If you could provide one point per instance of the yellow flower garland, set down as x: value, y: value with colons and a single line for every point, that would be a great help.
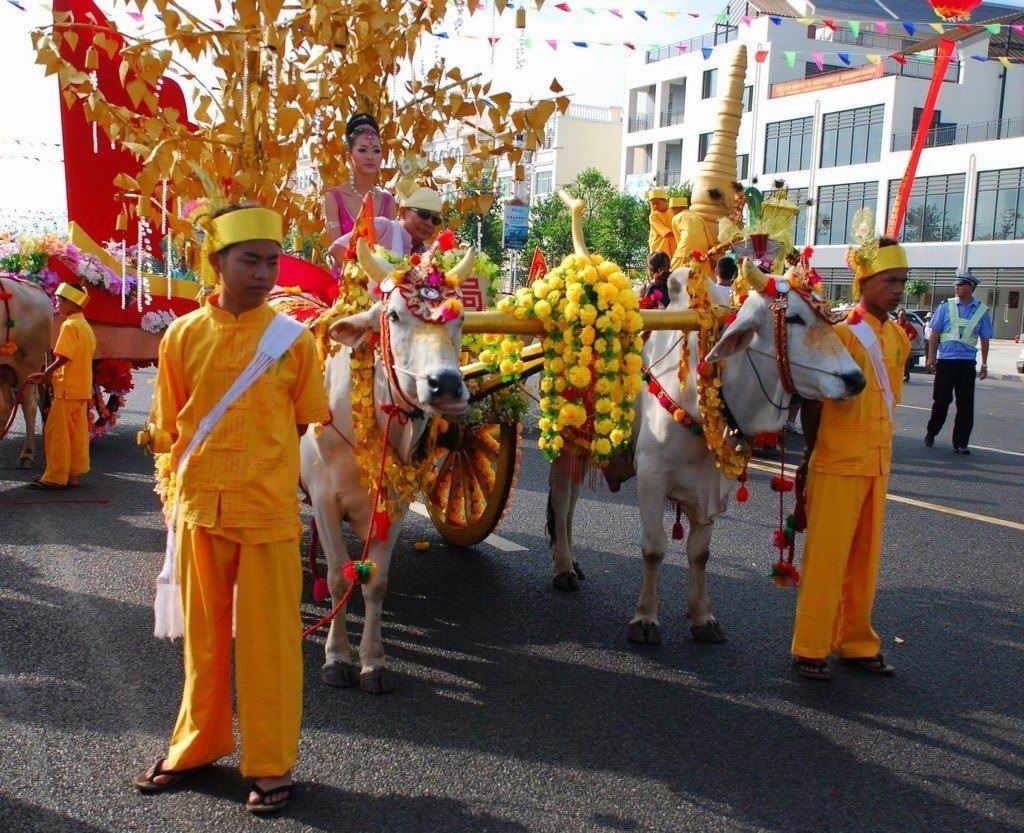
x: 592, y: 348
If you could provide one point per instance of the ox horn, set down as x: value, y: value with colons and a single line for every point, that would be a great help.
x: 465, y: 267
x: 574, y: 205
x: 376, y: 267
x: 755, y: 277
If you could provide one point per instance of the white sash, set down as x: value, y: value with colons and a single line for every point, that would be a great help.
x: 869, y: 341
x: 274, y: 343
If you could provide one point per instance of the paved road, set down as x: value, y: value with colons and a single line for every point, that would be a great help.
x: 524, y: 710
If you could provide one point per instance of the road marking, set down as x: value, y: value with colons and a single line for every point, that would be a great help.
x: 495, y: 541
x: 915, y: 407
x: 997, y: 450
x: 921, y: 504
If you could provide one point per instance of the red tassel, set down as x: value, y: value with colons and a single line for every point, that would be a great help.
x: 678, y: 533
x: 381, y: 525
x: 781, y: 484
x: 742, y: 494
x: 321, y: 592
x: 779, y: 539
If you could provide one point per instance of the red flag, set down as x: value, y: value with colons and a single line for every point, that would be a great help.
x: 899, y: 59
x: 539, y: 266
x: 760, y: 55
x: 563, y: 7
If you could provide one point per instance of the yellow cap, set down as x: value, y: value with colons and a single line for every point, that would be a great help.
x: 678, y: 202
x: 73, y: 294
x: 255, y: 223
x: 424, y: 198
x: 657, y: 194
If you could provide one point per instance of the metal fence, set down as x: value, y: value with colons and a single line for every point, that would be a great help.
x: 722, y: 34
x: 962, y: 134
x: 672, y: 117
x: 641, y: 121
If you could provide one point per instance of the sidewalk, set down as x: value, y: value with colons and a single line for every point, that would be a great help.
x: 1002, y: 361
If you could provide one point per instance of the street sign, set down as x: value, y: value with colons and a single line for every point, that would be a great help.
x: 515, y: 219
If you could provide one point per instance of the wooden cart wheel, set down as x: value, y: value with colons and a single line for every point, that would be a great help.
x: 474, y: 481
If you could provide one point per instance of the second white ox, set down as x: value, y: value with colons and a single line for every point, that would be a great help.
x: 425, y: 361
x: 674, y: 464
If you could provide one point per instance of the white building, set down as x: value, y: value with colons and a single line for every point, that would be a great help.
x: 584, y: 137
x: 840, y: 138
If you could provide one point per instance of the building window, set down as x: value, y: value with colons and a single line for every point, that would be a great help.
x: 549, y: 134
x: 703, y: 143
x: 748, y: 98
x: 542, y: 183
x: 999, y: 210
x: 743, y: 165
x: 787, y: 145
x: 798, y: 230
x: 852, y: 137
x: 836, y: 206
x: 504, y: 186
x: 709, y: 84
x: 934, y: 210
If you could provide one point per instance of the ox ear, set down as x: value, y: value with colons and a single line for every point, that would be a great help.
x: 352, y: 329
x: 737, y: 336
x: 677, y: 284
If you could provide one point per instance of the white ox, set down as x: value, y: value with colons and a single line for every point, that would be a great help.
x: 32, y: 313
x: 426, y: 360
x: 672, y: 463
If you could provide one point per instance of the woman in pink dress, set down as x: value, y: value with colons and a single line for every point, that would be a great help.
x: 343, y: 203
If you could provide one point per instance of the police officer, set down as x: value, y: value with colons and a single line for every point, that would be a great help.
x: 957, y: 326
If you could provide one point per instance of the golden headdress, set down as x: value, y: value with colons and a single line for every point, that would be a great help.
x: 866, y: 257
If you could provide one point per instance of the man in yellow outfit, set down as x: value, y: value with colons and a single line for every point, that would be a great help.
x: 661, y: 238
x: 66, y: 432
x: 846, y: 469
x: 238, y: 515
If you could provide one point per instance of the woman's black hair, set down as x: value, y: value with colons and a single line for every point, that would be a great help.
x: 359, y: 123
x: 658, y: 262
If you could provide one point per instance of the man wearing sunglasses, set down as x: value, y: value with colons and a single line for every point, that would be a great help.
x: 419, y: 221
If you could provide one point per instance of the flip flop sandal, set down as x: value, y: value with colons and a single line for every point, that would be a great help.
x: 146, y: 783
x: 261, y: 806
x: 813, y: 669
x: 873, y: 665
x: 46, y: 487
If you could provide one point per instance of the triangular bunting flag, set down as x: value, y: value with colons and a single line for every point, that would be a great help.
x: 775, y: 19
x: 899, y: 59
x: 845, y: 58
x: 1018, y: 28
x: 629, y: 45
x: 790, y: 59
x: 909, y: 27
x: 760, y: 55
x: 1004, y: 61
x: 582, y: 44
x: 994, y: 28
x: 881, y: 26
x: 805, y: 21
x: 671, y: 15
x: 552, y: 43
x: 562, y: 7
x: 981, y: 58
x: 694, y: 14
x: 528, y: 43
x: 722, y: 19
x: 875, y: 59
x: 819, y: 60
x: 746, y: 19
x: 938, y: 27
x: 538, y: 266
x: 493, y: 40
x: 682, y: 47
x: 854, y: 27
x: 831, y: 24
x: 441, y: 35
x: 707, y: 52
x: 616, y: 12
x: 589, y: 10
x: 928, y: 57
x: 641, y: 14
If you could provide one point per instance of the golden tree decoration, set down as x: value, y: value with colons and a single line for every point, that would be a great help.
x: 274, y: 81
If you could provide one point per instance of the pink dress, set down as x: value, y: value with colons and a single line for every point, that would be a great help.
x: 346, y: 220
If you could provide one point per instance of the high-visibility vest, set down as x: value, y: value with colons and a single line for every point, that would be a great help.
x: 962, y: 330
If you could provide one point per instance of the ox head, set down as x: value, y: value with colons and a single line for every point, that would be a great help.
x: 421, y: 325
x: 821, y: 367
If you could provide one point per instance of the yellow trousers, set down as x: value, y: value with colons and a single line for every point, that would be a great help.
x: 66, y: 440
x: 845, y: 518
x: 268, y: 652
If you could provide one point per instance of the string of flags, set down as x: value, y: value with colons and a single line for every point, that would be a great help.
x: 819, y: 57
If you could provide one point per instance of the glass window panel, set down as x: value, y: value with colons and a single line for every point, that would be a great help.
x: 859, y: 150
x: 874, y: 149
x: 1006, y: 214
x: 1019, y: 234
x: 844, y: 146
x: 953, y: 220
x: 984, y: 213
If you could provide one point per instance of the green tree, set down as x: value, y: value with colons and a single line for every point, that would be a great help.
x: 614, y: 224
x: 491, y: 240
x: 917, y: 287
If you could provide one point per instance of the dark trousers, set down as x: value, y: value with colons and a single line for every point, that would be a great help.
x: 953, y: 376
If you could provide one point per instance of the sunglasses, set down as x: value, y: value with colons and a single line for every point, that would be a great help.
x: 424, y: 214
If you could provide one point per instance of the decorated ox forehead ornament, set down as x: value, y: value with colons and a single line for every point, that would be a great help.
x: 800, y: 278
x: 431, y: 295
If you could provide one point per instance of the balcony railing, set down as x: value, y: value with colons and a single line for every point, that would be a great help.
x: 670, y: 176
x: 963, y: 134
x: 672, y: 117
x: 641, y: 121
x: 722, y: 34
x: 872, y: 40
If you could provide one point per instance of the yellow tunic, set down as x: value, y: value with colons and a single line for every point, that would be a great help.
x: 691, y: 232
x: 245, y: 476
x: 661, y: 238
x: 239, y: 528
x: 66, y: 432
x: 846, y: 493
